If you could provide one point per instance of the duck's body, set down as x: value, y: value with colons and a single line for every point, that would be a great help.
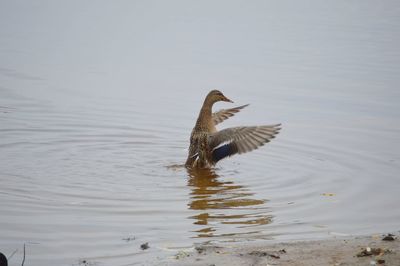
x: 208, y: 146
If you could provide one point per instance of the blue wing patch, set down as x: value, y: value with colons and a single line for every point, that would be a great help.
x: 223, y: 151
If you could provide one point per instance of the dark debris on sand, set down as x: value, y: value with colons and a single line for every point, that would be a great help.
x: 389, y: 237
x: 144, y: 246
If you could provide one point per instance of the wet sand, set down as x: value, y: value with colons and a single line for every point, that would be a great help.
x: 338, y: 251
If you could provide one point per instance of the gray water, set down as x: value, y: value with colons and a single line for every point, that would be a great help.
x: 98, y: 98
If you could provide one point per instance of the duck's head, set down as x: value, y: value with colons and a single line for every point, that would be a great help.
x: 217, y: 96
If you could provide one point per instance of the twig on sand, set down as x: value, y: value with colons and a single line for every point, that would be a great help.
x: 23, y: 260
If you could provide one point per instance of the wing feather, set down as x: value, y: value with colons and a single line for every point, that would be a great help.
x: 224, y: 114
x: 239, y: 140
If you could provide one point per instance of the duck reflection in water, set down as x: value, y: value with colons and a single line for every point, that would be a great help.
x: 225, y: 209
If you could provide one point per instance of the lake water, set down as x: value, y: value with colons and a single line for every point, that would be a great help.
x: 97, y: 101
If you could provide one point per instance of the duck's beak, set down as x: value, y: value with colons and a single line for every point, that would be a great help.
x: 227, y: 100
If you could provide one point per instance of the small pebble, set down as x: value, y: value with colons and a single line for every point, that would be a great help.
x: 388, y: 237
x: 144, y: 246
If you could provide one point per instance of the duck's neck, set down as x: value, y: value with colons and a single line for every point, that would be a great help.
x: 205, y: 117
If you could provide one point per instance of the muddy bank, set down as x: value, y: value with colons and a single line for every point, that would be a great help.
x: 371, y: 250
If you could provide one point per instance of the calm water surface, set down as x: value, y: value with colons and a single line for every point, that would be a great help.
x: 97, y: 101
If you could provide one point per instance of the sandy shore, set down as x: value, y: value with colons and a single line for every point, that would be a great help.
x: 371, y: 250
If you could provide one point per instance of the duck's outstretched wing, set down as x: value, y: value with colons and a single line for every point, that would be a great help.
x: 239, y: 140
x: 224, y: 114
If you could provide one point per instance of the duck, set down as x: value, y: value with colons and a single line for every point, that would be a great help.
x: 208, y: 145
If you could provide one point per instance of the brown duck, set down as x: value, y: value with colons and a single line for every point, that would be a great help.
x: 208, y: 146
